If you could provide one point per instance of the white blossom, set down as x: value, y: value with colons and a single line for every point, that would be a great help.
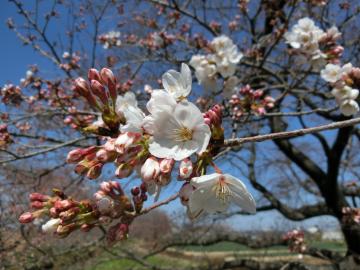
x: 349, y: 107
x: 305, y: 36
x: 178, y: 84
x: 51, y: 225
x: 204, y: 71
x: 180, y: 133
x: 345, y: 93
x: 332, y: 73
x: 150, y: 170
x: 128, y: 106
x: 214, y: 193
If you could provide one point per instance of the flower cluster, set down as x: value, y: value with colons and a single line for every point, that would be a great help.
x: 11, y: 94
x: 296, y: 241
x: 5, y: 137
x: 222, y: 61
x: 351, y: 215
x: 173, y: 131
x: 313, y: 43
x: 343, y: 79
x: 248, y: 100
x: 157, y: 40
x: 71, y: 61
x: 110, y: 39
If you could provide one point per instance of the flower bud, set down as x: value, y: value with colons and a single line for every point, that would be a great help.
x: 26, y: 217
x: 143, y: 187
x: 62, y: 205
x: 86, y: 227
x: 99, y: 90
x: 93, y: 74
x: 166, y: 165
x: 65, y: 230
x: 150, y: 170
x: 38, y: 197
x: 37, y: 205
x: 105, y: 205
x: 185, y: 192
x: 82, y: 87
x: 125, y: 140
x: 95, y: 171
x: 109, y: 79
x: 74, y: 156
x: 135, y: 191
x: 123, y: 170
x: 51, y: 225
x: 185, y: 168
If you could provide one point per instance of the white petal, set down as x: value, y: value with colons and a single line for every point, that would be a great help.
x: 205, y: 179
x: 202, y: 135
x: 241, y: 196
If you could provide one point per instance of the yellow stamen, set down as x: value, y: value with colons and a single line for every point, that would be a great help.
x: 183, y: 134
x: 222, y: 190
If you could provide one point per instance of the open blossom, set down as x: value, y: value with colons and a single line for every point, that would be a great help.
x: 185, y: 168
x: 333, y: 73
x: 178, y: 84
x: 226, y: 55
x: 180, y: 133
x: 305, y: 35
x: 214, y: 193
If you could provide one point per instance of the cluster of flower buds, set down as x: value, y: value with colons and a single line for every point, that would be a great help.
x: 79, y: 121
x: 11, y: 94
x: 157, y: 40
x: 250, y: 101
x: 296, y: 241
x: 351, y: 215
x: 65, y: 214
x: 87, y: 161
x: 139, y: 196
x: 4, y: 135
x: 101, y: 94
x: 328, y: 45
x: 213, y: 118
x: 343, y: 79
x: 111, y: 201
x: 110, y: 39
x: 71, y: 61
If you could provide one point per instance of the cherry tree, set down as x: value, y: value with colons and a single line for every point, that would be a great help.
x: 268, y: 87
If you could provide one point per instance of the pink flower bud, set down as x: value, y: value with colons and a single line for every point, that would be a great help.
x: 93, y: 74
x: 82, y: 87
x: 26, y: 217
x: 38, y: 197
x: 102, y: 155
x: 150, y: 170
x: 108, y: 77
x: 74, y: 156
x: 185, y: 192
x: 37, y: 205
x: 110, y: 145
x: 258, y: 94
x: 166, y: 165
x: 86, y: 227
x: 105, y: 187
x: 261, y: 110
x: 99, y: 90
x: 62, y: 205
x: 185, y: 168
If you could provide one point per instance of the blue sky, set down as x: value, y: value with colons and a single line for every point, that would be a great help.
x: 15, y: 57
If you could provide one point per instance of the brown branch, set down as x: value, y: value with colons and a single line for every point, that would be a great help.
x: 290, y: 134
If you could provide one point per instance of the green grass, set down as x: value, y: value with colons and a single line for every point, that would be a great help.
x: 121, y: 264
